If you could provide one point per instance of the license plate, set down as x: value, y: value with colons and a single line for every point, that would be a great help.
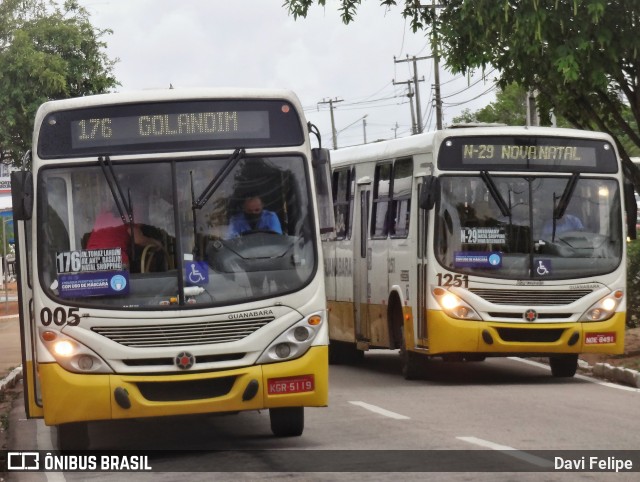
x: 279, y: 386
x: 599, y: 338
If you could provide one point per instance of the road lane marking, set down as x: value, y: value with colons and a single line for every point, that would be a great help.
x: 578, y: 376
x: 380, y: 411
x: 518, y: 454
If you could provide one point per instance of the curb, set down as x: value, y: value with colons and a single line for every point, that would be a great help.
x: 619, y: 375
x: 10, y: 380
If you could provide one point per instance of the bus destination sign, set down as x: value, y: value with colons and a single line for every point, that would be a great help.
x: 505, y: 152
x: 542, y: 153
x: 183, y: 126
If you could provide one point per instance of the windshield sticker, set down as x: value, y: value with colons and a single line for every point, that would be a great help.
x: 89, y: 260
x: 101, y: 283
x: 196, y: 273
x: 543, y: 267
x: 471, y: 259
x: 483, y: 235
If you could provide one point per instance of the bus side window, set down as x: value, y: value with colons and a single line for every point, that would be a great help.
x: 402, y: 178
x: 381, y: 223
x: 342, y: 199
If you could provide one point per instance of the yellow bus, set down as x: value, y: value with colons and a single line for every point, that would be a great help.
x: 147, y: 286
x: 475, y: 242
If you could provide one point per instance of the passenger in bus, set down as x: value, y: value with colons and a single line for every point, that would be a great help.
x: 253, y: 218
x: 109, y: 231
x: 566, y: 223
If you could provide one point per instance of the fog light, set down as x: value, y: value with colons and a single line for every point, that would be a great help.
x: 301, y: 333
x: 63, y: 348
x: 283, y: 350
x: 85, y: 362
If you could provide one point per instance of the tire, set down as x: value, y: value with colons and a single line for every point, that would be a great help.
x: 411, y: 362
x: 287, y: 422
x: 342, y: 353
x: 563, y: 366
x: 73, y: 436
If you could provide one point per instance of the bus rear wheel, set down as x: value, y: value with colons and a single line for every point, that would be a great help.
x: 563, y: 365
x: 412, y: 368
x: 73, y: 436
x: 287, y: 422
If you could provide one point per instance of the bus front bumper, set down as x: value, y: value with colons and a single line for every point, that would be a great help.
x: 72, y: 397
x: 450, y: 335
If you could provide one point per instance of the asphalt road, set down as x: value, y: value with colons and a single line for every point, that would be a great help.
x: 461, y: 419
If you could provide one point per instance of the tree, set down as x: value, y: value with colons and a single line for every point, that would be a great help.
x: 46, y: 52
x: 509, y: 108
x: 582, y: 57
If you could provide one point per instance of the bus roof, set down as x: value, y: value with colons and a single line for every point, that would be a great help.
x: 165, y: 95
x: 406, y: 146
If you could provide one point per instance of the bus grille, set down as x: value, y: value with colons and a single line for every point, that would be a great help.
x: 184, y: 333
x: 530, y: 297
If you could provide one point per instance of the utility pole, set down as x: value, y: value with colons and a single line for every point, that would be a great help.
x: 333, y: 124
x: 395, y: 131
x: 415, y: 59
x: 533, y: 119
x: 414, y: 128
x: 436, y: 64
x: 364, y: 128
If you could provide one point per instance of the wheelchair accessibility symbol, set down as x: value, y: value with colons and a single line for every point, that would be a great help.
x: 543, y: 267
x: 196, y: 273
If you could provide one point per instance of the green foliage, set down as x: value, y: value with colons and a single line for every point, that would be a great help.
x: 47, y: 52
x: 509, y: 108
x: 582, y: 57
x: 633, y: 283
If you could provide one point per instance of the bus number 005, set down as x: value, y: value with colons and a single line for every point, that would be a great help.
x: 60, y: 316
x: 453, y: 280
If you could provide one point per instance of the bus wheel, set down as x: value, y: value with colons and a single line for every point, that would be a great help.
x: 73, y: 436
x: 563, y: 365
x: 411, y: 366
x: 287, y: 422
x: 344, y: 353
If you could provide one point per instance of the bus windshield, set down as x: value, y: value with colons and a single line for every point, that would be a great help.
x: 534, y: 227
x: 251, y: 239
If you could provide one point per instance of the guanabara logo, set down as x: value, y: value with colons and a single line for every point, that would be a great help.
x: 185, y: 360
x: 530, y: 315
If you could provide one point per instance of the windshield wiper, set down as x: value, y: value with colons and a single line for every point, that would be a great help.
x: 563, y: 204
x: 199, y: 203
x: 561, y: 208
x: 208, y: 191
x: 495, y: 194
x: 123, y: 204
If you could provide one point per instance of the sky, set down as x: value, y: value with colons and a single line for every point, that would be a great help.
x: 256, y: 43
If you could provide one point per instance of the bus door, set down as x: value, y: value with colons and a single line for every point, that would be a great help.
x: 22, y: 201
x: 420, y: 317
x: 362, y: 262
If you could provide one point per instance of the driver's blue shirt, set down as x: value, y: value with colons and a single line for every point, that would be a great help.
x: 568, y: 222
x: 268, y: 222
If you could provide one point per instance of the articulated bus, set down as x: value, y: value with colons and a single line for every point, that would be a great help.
x: 137, y: 297
x: 478, y: 242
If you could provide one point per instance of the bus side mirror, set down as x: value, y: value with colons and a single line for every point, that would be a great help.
x: 22, y: 195
x: 429, y: 192
x: 631, y: 207
x: 321, y: 162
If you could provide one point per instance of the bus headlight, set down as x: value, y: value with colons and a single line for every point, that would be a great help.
x: 454, y: 306
x: 294, y: 341
x: 71, y: 354
x: 605, y: 308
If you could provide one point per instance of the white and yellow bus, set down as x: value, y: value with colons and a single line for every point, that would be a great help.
x: 475, y: 242
x: 137, y: 298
